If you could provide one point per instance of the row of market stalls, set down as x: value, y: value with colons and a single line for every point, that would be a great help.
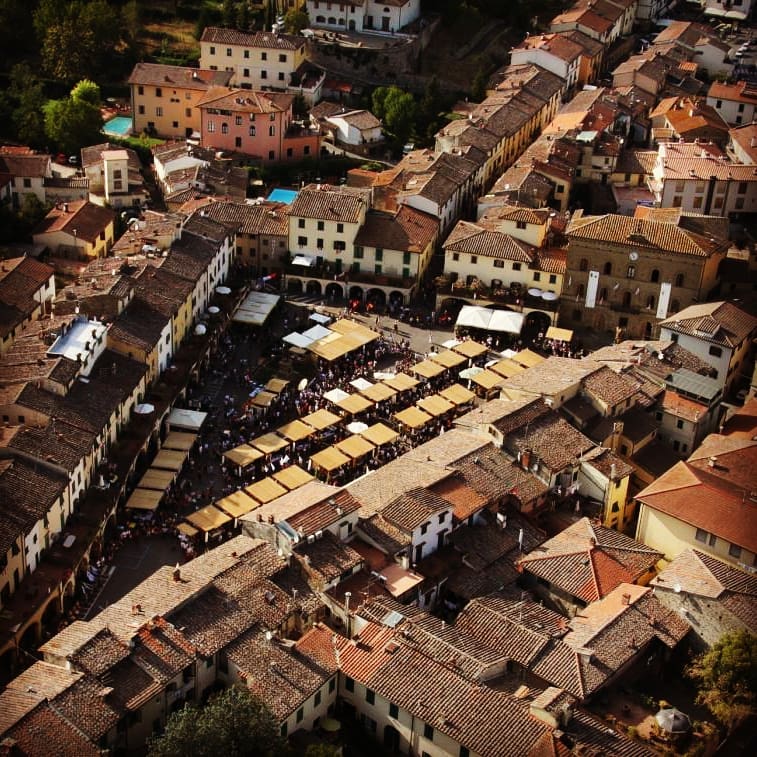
x: 334, y: 341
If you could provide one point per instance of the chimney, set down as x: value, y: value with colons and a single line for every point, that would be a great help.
x: 712, y: 461
x: 177, y: 574
x: 525, y: 458
x: 626, y: 599
x: 613, y: 472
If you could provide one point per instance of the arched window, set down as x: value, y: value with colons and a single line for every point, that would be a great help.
x: 626, y: 299
x: 647, y: 330
x: 580, y: 290
x: 608, y: 268
x: 679, y: 279
x: 674, y: 306
x: 650, y: 302
x: 224, y: 128
x: 603, y: 294
x: 252, y: 131
x: 583, y: 265
x: 655, y: 276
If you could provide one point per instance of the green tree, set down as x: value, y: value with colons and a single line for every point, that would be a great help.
x: 478, y: 86
x: 397, y: 109
x: 229, y: 13
x: 295, y: 21
x: 727, y: 677
x: 76, y: 121
x: 27, y: 96
x: 243, y: 19
x: 233, y: 723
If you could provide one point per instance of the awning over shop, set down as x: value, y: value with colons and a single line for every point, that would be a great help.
x: 412, y: 417
x: 435, y: 405
x: 448, y: 358
x: 292, y: 477
x: 144, y: 499
x: 269, y: 443
x: 169, y: 459
x: 237, y: 504
x: 186, y: 420
x: 330, y: 459
x: 361, y: 384
x: 276, y: 385
x: 506, y: 321
x: 470, y: 348
x: 179, y: 440
x: 263, y: 399
x: 379, y: 434
x: 156, y: 479
x: 428, y: 369
x: 335, y: 394
x: 317, y: 332
x: 507, y: 368
x: 355, y: 447
x: 295, y: 431
x: 243, y: 455
x: 457, y: 394
x: 321, y: 419
x: 527, y: 358
x: 256, y: 308
x: 487, y: 379
x: 187, y: 530
x: 401, y: 382
x: 379, y: 392
x: 354, y: 403
x: 265, y: 490
x: 562, y: 335
x: 473, y: 316
x: 209, y: 518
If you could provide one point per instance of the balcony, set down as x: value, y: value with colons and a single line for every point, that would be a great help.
x: 326, y: 271
x: 514, y: 298
x: 619, y: 307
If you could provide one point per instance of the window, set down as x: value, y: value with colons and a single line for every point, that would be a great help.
x: 282, y: 58
x: 301, y: 224
x: 679, y: 424
x: 379, y: 253
x: 424, y: 528
x: 580, y: 290
x: 306, y: 150
x: 211, y: 126
x: 370, y: 696
x: 473, y: 259
x: 349, y: 684
x: 734, y: 551
x: 317, y: 698
x: 650, y: 302
x: 679, y: 280
x: 246, y: 54
x: 499, y: 263
x: 300, y: 714
x: 340, y: 228
x: 321, y: 225
x: 271, y: 131
x: 739, y: 203
x: 537, y: 276
x: 677, y: 201
x: 631, y: 272
x: 679, y: 186
x: 464, y: 751
x: 158, y: 92
x: 715, y: 351
x: 517, y: 266
x: 281, y: 76
x: 141, y: 110
x: 340, y: 246
x: 428, y: 731
x: 607, y: 270
x: 394, y: 711
x: 583, y: 265
x: 264, y: 74
x: 442, y: 516
x: 159, y: 111
x: 271, y: 155
x: 406, y: 258
x: 358, y: 252
x: 378, y: 269
x: 699, y: 188
x: 741, y: 188
x: 237, y: 120
x: 302, y: 241
x: 455, y: 256
x: 228, y: 52
x: 252, y: 131
x: 290, y: 152
x: 263, y: 56
x: 188, y: 112
x: 283, y: 730
x: 520, y: 224
x: 224, y: 128
x: 553, y: 278
x: 332, y: 685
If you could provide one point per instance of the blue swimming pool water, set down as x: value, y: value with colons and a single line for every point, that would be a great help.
x: 283, y: 195
x: 119, y: 125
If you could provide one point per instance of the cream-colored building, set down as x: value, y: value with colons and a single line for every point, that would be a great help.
x: 77, y: 230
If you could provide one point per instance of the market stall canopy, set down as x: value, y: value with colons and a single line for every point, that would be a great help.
x: 186, y: 420
x: 356, y: 427
x: 321, y: 419
x: 401, y: 382
x: 263, y: 399
x: 473, y: 316
x: 506, y: 321
x: 276, y: 385
x: 448, y: 358
x: 457, y: 394
x: 379, y: 434
x: 317, y: 332
x: 361, y: 384
x: 354, y: 403
x: 265, y: 490
x: 295, y: 431
x: 237, y: 504
x: 156, y: 479
x: 243, y: 455
x: 450, y: 343
x: 269, y: 443
x: 469, y: 348
x: 298, y: 340
x: 562, y: 335
x: 506, y: 368
x: 354, y: 329
x: 435, y: 405
x: 413, y: 417
x: 169, y: 459
x: 330, y: 459
x: 428, y: 369
x: 187, y: 530
x: 487, y: 379
x: 379, y: 392
x: 255, y: 308
x: 292, y: 477
x: 208, y: 518
x: 469, y: 373
x: 179, y: 440
x: 320, y: 318
x: 355, y: 447
x: 144, y: 499
x: 334, y: 395
x: 527, y: 358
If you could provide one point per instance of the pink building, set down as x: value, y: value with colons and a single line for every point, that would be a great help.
x: 259, y: 124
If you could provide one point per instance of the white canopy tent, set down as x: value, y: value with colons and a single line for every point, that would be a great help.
x: 317, y: 332
x: 335, y: 395
x: 506, y: 320
x: 303, y: 260
x: 184, y: 419
x: 256, y: 308
x: 298, y: 340
x: 473, y: 316
x: 321, y: 318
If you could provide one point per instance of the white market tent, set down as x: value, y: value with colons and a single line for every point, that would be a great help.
x: 298, y: 340
x: 184, y: 419
x: 473, y: 316
x: 317, y: 332
x: 256, y: 308
x: 324, y: 320
x: 335, y: 395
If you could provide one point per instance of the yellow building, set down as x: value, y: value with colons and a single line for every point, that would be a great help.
x: 77, y: 230
x: 163, y: 98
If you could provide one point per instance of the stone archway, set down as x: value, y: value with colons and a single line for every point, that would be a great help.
x: 31, y: 636
x: 375, y: 299
x: 294, y: 286
x: 334, y: 292
x: 536, y: 322
x: 313, y: 287
x: 356, y: 293
x: 396, y: 299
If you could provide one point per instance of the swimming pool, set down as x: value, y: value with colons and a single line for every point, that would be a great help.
x: 283, y: 195
x: 119, y: 126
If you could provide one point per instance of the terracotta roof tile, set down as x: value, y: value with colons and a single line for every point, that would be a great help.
x: 45, y: 733
x: 267, y: 40
x: 184, y: 77
x: 328, y: 204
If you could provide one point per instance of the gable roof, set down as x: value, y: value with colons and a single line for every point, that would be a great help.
x: 267, y: 40
x: 81, y: 219
x: 719, y: 322
x: 325, y: 203
x: 183, y: 77
x: 406, y: 230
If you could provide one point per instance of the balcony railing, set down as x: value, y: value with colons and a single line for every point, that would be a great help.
x: 516, y: 299
x: 327, y: 271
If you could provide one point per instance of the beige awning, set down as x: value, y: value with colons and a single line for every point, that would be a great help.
x: 265, y: 490
x: 379, y: 392
x: 157, y: 479
x: 144, y: 499
x: 457, y: 394
x: 401, y: 382
x: 487, y: 379
x: 180, y: 440
x: 169, y: 459
x: 237, y: 504
x: 507, y: 368
x: 209, y: 518
x: 448, y: 358
x: 321, y: 419
x: 276, y: 385
x: 435, y: 405
x: 355, y: 446
x: 295, y: 431
x: 354, y: 404
x: 354, y: 329
x: 243, y: 455
x: 187, y: 530
x: 469, y: 348
x: 292, y: 477
x: 562, y: 335
x: 413, y: 417
x: 330, y: 459
x: 269, y: 443
x: 527, y: 358
x: 263, y: 399
x: 428, y: 369
x: 379, y: 434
